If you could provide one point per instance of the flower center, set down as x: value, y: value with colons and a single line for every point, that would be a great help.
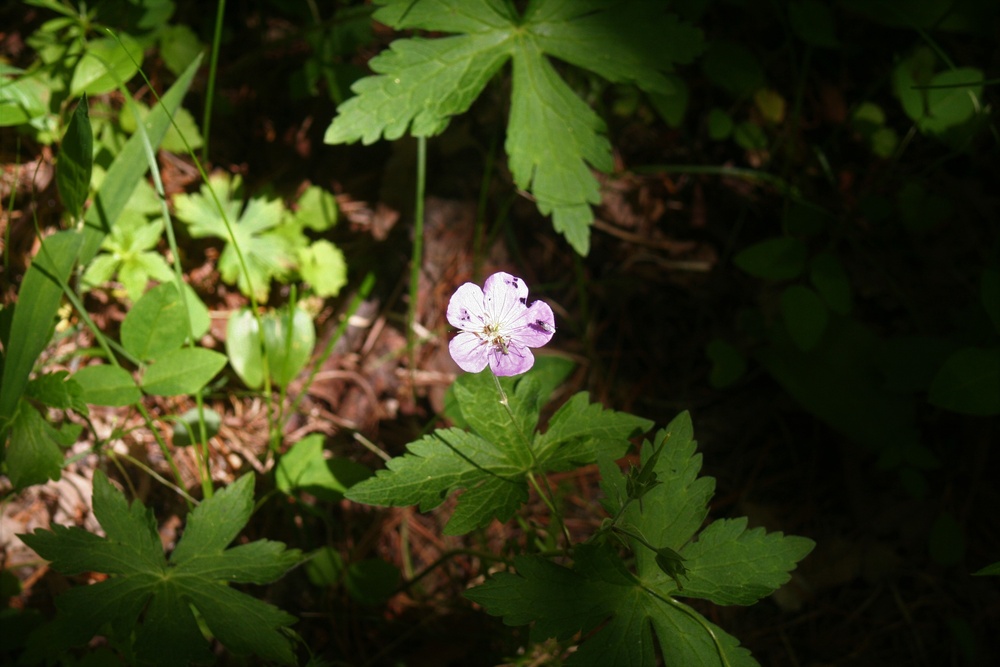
x: 493, y: 333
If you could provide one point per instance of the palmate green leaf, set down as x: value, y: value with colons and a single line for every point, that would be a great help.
x: 268, y: 254
x: 598, y: 590
x: 151, y: 596
x: 553, y: 137
x: 130, y: 255
x: 636, y: 610
x: 491, y: 464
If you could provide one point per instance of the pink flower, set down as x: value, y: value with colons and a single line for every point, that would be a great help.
x: 497, y: 326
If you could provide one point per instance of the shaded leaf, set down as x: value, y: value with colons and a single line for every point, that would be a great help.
x: 197, y: 574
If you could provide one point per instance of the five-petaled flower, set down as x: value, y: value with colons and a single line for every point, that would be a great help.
x: 497, y: 326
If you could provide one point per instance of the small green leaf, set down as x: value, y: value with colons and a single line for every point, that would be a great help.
x: 720, y: 124
x: 288, y: 349
x: 990, y: 291
x: 317, y: 209
x: 780, y: 258
x: 22, y: 99
x: 371, y: 581
x: 243, y: 345
x: 179, y: 46
x: 187, y: 427
x: 289, y: 336
x: 268, y: 254
x: 733, y: 67
x: 764, y: 561
x: 76, y: 161
x: 105, y: 64
x: 954, y: 96
x: 812, y: 22
x: 990, y: 570
x: 305, y: 468
x: 805, y: 316
x: 57, y: 390
x: 947, y: 540
x: 322, y: 265
x: 969, y: 382
x: 728, y: 365
x: 324, y: 567
x: 183, y: 371
x: 750, y: 136
x: 673, y: 105
x: 107, y: 385
x: 33, y: 455
x: 156, y: 324
x: 827, y: 275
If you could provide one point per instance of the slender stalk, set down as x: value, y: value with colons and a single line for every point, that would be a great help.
x: 213, y: 67
x: 416, y: 258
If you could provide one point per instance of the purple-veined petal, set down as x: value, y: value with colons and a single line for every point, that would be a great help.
x: 469, y: 352
x: 518, y: 359
x: 505, y: 297
x: 537, y: 326
x: 465, y: 309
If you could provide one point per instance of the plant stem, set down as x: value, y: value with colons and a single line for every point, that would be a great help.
x: 416, y: 258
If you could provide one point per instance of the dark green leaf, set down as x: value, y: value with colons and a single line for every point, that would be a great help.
x: 371, y: 581
x: 969, y: 382
x: 198, y: 574
x: 780, y: 258
x: 805, y: 316
x: 305, y: 467
x: 76, y: 160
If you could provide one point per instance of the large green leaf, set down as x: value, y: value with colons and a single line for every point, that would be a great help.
x: 492, y: 463
x: 195, y: 577
x: 627, y: 617
x: 553, y: 137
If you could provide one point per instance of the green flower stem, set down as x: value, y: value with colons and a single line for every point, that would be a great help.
x: 213, y: 66
x: 416, y: 257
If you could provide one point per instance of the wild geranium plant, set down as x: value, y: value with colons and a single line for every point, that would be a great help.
x: 647, y: 552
